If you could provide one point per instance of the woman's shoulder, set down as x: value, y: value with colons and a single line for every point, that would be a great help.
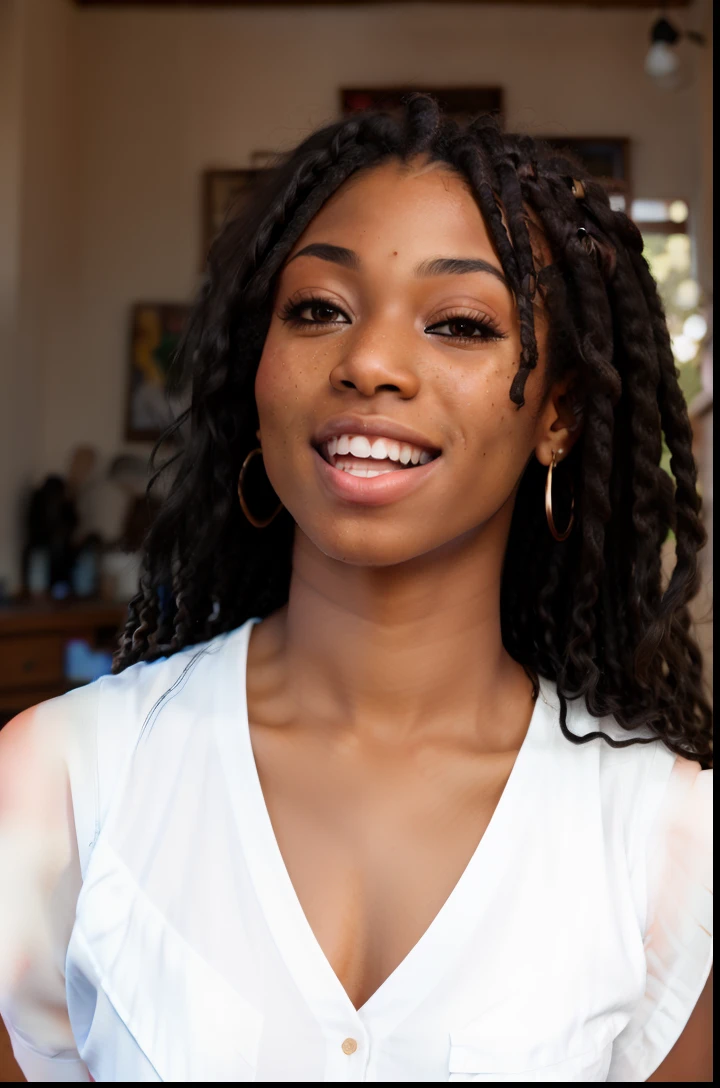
x: 96, y: 726
x: 639, y: 781
x: 131, y: 695
x: 676, y: 921
x: 89, y: 733
x: 620, y: 750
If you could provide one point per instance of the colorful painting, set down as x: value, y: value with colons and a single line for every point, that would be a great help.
x: 155, y: 334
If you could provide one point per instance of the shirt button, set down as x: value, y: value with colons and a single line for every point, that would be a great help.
x: 349, y: 1046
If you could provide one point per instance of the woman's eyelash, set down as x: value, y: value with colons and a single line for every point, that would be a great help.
x: 292, y: 311
x: 484, y: 327
x: 475, y: 327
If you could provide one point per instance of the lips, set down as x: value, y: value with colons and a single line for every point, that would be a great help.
x: 371, y: 460
x: 373, y: 427
x: 377, y: 490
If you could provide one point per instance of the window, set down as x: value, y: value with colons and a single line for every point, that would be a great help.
x: 668, y: 251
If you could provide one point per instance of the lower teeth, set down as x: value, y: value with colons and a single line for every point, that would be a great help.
x: 371, y: 468
x: 367, y: 471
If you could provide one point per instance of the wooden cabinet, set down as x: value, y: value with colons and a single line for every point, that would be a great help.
x: 31, y: 660
x: 33, y: 638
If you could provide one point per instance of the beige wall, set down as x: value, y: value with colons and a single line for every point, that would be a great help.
x: 37, y: 218
x: 704, y: 89
x: 123, y: 109
x: 10, y: 167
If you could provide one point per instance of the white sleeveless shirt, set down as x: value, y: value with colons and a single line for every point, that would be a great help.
x: 573, y: 947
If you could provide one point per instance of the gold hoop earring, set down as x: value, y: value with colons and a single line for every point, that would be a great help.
x: 548, y: 504
x: 251, y: 518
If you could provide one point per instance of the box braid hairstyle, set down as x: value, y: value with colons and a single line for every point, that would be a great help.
x: 590, y: 613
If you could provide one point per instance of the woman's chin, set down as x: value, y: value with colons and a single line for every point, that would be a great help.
x: 368, y: 547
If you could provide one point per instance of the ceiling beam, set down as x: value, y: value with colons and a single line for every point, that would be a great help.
x: 346, y: 3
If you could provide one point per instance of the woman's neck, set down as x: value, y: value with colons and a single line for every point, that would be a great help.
x: 400, y: 651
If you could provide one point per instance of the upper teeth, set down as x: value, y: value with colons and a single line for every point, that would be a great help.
x: 380, y: 449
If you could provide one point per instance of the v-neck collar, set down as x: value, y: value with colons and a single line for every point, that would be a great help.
x: 447, y: 935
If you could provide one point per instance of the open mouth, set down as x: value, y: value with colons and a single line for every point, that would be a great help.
x: 367, y: 455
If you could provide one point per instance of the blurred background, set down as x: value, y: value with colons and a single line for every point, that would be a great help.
x: 127, y: 132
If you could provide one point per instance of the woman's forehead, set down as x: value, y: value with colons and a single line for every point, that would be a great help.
x: 421, y: 202
x: 417, y: 206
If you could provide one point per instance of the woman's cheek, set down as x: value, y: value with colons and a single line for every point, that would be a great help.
x: 273, y: 383
x: 282, y: 403
x: 503, y: 449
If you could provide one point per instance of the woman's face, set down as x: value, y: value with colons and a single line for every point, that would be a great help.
x: 394, y: 334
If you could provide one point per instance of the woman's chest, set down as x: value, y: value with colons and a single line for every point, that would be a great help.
x: 508, y: 985
x: 374, y: 844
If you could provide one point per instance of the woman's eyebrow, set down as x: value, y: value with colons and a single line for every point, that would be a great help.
x: 459, y: 266
x: 437, y: 266
x: 336, y: 254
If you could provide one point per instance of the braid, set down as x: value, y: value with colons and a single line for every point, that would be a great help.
x: 469, y: 158
x: 592, y: 340
x: 125, y: 651
x: 512, y: 201
x: 650, y: 512
x: 514, y: 248
x: 689, y: 531
x: 335, y: 175
x: 590, y: 612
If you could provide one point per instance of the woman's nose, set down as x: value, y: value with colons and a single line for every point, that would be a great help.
x: 377, y: 362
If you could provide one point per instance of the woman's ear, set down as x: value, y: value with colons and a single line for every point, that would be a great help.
x: 560, y: 421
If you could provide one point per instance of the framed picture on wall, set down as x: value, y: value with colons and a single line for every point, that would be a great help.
x: 155, y: 330
x: 606, y: 158
x: 222, y: 194
x: 462, y: 103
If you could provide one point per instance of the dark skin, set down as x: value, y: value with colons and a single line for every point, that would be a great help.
x: 385, y: 713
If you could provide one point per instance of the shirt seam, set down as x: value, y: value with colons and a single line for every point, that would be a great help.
x: 96, y: 831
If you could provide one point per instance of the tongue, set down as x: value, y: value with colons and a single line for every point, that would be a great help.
x: 386, y: 465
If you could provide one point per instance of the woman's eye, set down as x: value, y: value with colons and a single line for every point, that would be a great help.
x: 320, y: 312
x: 314, y: 312
x: 464, y: 328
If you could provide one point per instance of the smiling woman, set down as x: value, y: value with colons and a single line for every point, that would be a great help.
x: 404, y: 774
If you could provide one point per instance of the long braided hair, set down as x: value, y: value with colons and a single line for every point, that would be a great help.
x: 590, y: 613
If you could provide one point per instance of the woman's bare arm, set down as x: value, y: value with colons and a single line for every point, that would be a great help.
x: 691, y: 1059
x: 41, y: 880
